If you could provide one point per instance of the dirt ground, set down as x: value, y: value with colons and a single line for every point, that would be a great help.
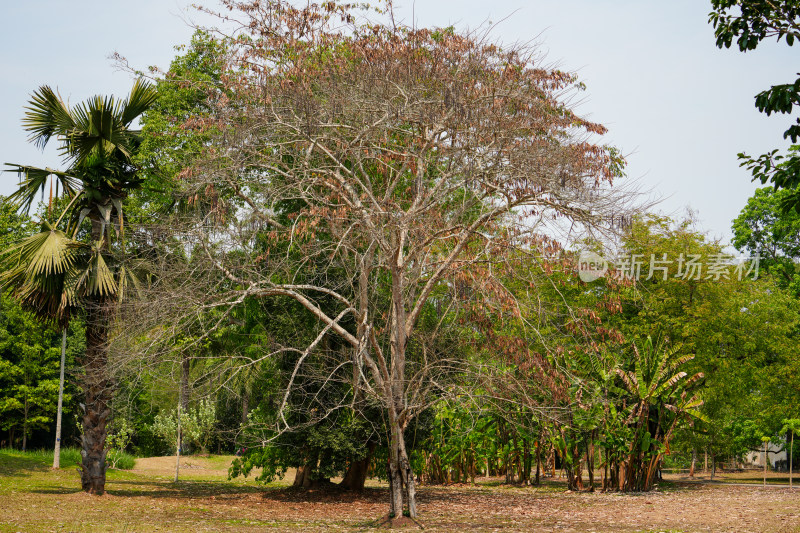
x: 33, y: 498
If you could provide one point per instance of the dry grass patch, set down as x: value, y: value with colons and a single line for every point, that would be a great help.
x: 33, y: 498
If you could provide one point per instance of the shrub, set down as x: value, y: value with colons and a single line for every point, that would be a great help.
x: 120, y: 460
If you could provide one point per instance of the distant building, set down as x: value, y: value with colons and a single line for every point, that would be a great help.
x: 777, y: 454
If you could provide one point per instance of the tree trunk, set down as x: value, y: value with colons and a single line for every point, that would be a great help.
x: 356, y: 474
x: 245, y: 406
x: 57, y: 451
x: 590, y: 460
x: 694, y: 462
x: 96, y: 384
x: 395, y: 476
x: 178, y: 446
x: 713, y: 465
x: 408, y: 479
x: 25, y: 426
x: 538, y: 459
x: 185, y: 383
x: 395, y: 486
x: 302, y: 477
x: 97, y: 391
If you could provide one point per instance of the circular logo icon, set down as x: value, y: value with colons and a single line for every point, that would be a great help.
x: 591, y: 266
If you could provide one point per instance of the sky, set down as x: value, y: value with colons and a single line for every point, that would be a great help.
x: 677, y: 106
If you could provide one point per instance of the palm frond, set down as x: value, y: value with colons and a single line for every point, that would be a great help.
x: 94, y: 134
x: 37, y: 270
x: 97, y: 279
x: 47, y: 116
x: 142, y: 96
x: 34, y: 181
x: 47, y: 253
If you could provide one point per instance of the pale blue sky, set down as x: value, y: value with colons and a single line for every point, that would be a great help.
x: 678, y: 105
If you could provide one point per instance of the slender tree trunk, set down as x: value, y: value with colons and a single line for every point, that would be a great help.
x: 590, y: 460
x: 245, y: 406
x: 694, y: 462
x: 25, y: 426
x: 791, y: 469
x: 57, y: 451
x: 178, y: 446
x: 538, y: 458
x: 185, y: 383
x: 713, y: 465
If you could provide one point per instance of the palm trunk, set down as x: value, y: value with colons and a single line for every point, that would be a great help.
x: 97, y: 391
x: 96, y: 386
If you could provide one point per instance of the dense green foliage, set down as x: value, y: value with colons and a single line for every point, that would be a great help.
x: 545, y: 372
x: 748, y: 23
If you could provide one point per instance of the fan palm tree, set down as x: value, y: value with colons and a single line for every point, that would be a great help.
x: 63, y: 270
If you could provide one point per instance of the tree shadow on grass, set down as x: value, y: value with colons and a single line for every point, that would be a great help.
x: 327, y: 495
x: 163, y: 489
x: 14, y: 463
x: 222, y: 491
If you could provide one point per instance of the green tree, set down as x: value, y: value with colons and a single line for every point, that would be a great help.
x: 741, y: 331
x: 55, y: 275
x: 748, y: 23
x: 763, y: 228
x: 29, y: 364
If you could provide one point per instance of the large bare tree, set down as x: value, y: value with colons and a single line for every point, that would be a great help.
x: 380, y: 176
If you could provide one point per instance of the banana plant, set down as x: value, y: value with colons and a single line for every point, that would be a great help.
x: 659, y: 397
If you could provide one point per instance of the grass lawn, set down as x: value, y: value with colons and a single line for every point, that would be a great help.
x: 36, y: 499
